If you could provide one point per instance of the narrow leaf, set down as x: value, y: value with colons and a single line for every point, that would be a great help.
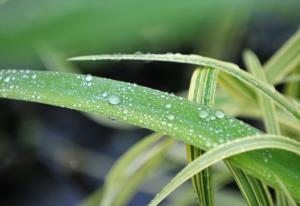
x: 202, y: 91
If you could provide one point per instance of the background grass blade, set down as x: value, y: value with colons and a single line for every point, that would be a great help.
x: 229, y: 68
x: 225, y: 151
x: 285, y: 60
x: 291, y: 78
x: 132, y: 168
x: 251, y: 188
x: 267, y: 107
x: 287, y: 199
x: 236, y: 88
x: 292, y: 88
x: 151, y: 109
x: 202, y: 91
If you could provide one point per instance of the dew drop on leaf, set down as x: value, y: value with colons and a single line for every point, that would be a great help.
x: 220, y: 114
x: 171, y: 117
x: 114, y: 99
x: 168, y: 106
x: 88, y: 77
x: 203, y: 114
x: 125, y: 111
x: 7, y: 79
x: 104, y: 94
x: 208, y: 144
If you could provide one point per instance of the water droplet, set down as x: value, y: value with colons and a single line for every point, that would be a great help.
x: 138, y: 53
x: 33, y: 76
x: 168, y: 106
x: 208, y: 144
x: 171, y: 117
x: 104, y: 94
x: 219, y: 114
x: 88, y: 77
x: 7, y: 79
x: 203, y: 114
x: 221, y: 140
x: 125, y: 111
x: 114, y: 99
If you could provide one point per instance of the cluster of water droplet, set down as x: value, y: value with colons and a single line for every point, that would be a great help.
x: 267, y: 155
x: 10, y: 82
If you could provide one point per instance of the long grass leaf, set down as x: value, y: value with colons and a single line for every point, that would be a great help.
x: 223, y: 152
x: 152, y: 109
x: 229, y: 68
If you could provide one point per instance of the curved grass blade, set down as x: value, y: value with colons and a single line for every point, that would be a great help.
x: 223, y: 152
x: 202, y: 91
x: 132, y: 168
x: 152, y: 109
x: 229, y: 68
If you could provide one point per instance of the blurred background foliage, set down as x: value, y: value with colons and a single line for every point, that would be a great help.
x: 53, y: 156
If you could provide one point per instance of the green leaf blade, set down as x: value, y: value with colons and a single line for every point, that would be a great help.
x: 148, y: 108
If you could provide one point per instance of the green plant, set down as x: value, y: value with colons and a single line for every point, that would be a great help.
x: 274, y: 163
